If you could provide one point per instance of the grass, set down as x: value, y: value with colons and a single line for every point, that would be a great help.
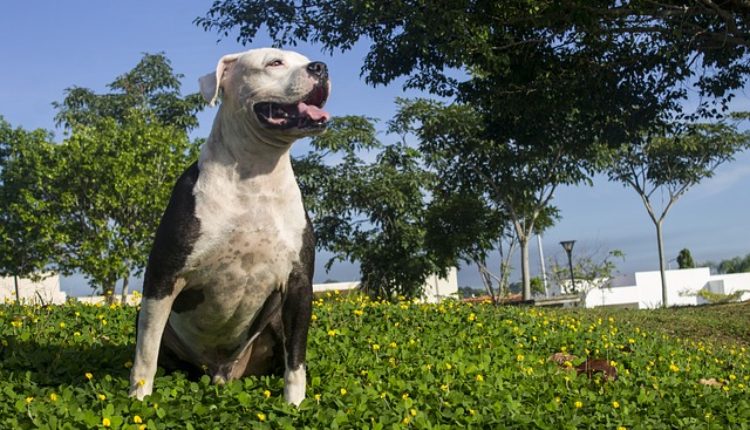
x: 398, y: 365
x: 727, y: 324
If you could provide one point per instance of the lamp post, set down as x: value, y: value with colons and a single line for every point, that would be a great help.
x: 568, y: 247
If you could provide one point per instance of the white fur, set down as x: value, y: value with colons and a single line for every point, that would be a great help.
x: 294, y: 385
x: 151, y: 323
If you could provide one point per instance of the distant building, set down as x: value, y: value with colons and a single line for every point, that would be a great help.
x: 642, y: 290
x: 44, y: 292
x: 435, y: 289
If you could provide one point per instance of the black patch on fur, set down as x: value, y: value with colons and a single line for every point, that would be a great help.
x: 298, y: 301
x: 188, y: 300
x: 175, y: 237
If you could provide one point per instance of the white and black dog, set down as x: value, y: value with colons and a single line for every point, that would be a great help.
x: 228, y: 286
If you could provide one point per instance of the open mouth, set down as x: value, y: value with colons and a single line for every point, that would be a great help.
x: 307, y: 113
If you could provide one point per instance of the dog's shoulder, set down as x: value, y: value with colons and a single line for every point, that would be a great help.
x: 177, y: 232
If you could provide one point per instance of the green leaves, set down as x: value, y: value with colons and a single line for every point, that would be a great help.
x: 110, y: 208
x: 151, y: 86
x: 440, y: 366
x: 28, y: 237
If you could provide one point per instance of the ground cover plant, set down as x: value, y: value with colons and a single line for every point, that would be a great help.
x: 395, y: 365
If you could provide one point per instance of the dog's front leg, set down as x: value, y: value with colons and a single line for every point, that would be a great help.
x: 296, y: 312
x: 152, y: 319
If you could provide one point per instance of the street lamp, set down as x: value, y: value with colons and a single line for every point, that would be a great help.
x: 568, y: 247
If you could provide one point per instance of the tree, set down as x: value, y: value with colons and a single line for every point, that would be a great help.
x: 589, y: 272
x: 515, y: 178
x: 626, y: 63
x: 111, y: 207
x: 461, y: 226
x: 373, y: 212
x: 685, y: 259
x: 127, y: 147
x: 672, y: 163
x: 732, y: 265
x: 28, y: 233
x: 151, y: 86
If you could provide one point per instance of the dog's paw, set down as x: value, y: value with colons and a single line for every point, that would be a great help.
x: 294, y: 386
x: 140, y: 389
x: 294, y: 397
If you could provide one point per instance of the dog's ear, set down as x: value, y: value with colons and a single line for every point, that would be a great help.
x: 211, y: 82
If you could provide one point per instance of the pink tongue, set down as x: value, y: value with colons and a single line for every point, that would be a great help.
x: 313, y: 112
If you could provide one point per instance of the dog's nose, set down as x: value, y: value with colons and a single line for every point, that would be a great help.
x: 318, y: 68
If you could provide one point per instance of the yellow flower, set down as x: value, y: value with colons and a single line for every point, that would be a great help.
x: 101, y: 397
x: 578, y: 404
x: 406, y: 420
x: 137, y: 419
x: 448, y: 366
x: 16, y: 324
x: 266, y: 394
x: 141, y: 382
x: 106, y: 422
x: 673, y: 367
x: 472, y: 412
x: 405, y: 396
x: 479, y: 377
x: 615, y: 404
x: 413, y: 412
x: 343, y: 391
x: 317, y: 397
x: 444, y: 387
x: 261, y: 416
x: 142, y: 427
x: 53, y: 397
x: 393, y: 345
x: 358, y: 312
x: 62, y: 325
x: 519, y: 357
x: 29, y: 400
x: 89, y: 376
x: 621, y: 428
x: 472, y: 317
x: 314, y: 317
x: 375, y: 347
x: 331, y: 332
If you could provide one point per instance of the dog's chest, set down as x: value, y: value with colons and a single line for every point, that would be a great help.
x: 250, y: 238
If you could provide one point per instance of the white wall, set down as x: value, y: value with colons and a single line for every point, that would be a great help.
x: 46, y: 291
x: 435, y: 289
x: 644, y: 288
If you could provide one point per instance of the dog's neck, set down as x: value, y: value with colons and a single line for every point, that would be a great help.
x: 234, y: 142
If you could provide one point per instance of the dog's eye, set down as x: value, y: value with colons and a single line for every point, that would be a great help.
x: 275, y: 63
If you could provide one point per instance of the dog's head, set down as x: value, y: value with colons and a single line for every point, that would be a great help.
x: 279, y: 92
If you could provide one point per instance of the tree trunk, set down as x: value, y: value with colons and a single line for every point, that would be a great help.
x: 124, y: 295
x: 109, y: 293
x: 662, y: 264
x: 15, y: 284
x: 525, y: 272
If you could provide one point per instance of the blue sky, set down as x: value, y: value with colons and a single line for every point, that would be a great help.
x: 50, y: 45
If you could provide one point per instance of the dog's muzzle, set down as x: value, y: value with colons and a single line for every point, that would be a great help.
x: 307, y: 113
